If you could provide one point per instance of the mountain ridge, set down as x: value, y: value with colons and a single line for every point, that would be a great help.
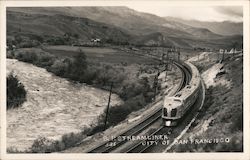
x: 225, y: 28
x: 128, y: 25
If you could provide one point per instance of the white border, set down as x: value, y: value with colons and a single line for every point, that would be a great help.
x: 144, y: 156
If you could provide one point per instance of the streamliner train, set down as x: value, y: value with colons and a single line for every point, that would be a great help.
x: 175, y: 107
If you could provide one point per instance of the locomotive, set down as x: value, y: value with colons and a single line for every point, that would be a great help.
x: 176, y: 106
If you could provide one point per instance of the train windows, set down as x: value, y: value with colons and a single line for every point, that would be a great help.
x: 178, y: 95
x: 173, y: 112
x: 165, y: 112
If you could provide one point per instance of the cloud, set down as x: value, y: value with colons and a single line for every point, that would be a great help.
x: 200, y: 13
x: 235, y: 11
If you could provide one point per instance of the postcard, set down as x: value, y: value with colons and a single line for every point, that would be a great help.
x: 125, y: 79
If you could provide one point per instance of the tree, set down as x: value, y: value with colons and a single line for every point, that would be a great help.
x: 76, y: 35
x: 18, y: 39
x: 16, y: 93
x: 78, y: 67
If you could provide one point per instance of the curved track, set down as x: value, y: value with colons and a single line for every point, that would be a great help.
x: 139, y: 127
x: 139, y: 147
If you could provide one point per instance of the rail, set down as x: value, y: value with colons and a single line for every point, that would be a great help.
x: 139, y: 147
x: 144, y: 123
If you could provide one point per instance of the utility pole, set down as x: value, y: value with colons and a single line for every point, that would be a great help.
x: 178, y: 52
x: 218, y: 56
x: 166, y: 71
x: 155, y: 85
x: 223, y: 55
x: 167, y: 55
x: 107, y: 111
x: 162, y: 57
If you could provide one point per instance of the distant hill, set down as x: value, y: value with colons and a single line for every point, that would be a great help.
x: 222, y: 28
x: 115, y: 23
x: 134, y: 22
x: 59, y: 25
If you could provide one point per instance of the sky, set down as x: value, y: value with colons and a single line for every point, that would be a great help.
x: 211, y: 13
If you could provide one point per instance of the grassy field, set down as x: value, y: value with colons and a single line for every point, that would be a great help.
x: 100, y: 54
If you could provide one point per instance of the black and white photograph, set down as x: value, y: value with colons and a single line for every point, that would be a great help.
x: 143, y: 77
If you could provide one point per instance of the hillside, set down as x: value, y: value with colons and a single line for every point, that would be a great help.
x: 60, y: 25
x: 113, y: 24
x: 122, y: 17
x: 221, y: 118
x: 223, y: 28
x: 137, y: 23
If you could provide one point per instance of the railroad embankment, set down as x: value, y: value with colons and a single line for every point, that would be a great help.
x: 170, y: 83
x: 219, y: 125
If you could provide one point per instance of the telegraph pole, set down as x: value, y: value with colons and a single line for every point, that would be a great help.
x: 223, y: 55
x: 107, y: 111
x: 178, y: 52
x: 155, y: 85
x: 166, y: 70
x: 218, y: 56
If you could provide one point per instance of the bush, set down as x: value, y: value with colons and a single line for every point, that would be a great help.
x: 27, y: 57
x: 90, y: 76
x: 132, y: 89
x: 15, y: 150
x: 235, y: 144
x: 10, y: 54
x: 76, y: 69
x: 71, y: 139
x: 42, y: 145
x: 237, y: 120
x: 60, y: 67
x: 28, y: 44
x: 119, y: 113
x: 16, y: 93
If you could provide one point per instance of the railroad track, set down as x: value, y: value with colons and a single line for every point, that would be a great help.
x: 144, y: 124
x: 175, y: 133
x: 139, y: 147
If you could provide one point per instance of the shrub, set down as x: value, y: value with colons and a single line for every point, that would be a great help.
x: 16, y: 93
x: 237, y: 120
x: 27, y: 57
x: 14, y: 150
x: 10, y: 54
x: 45, y: 58
x: 235, y: 144
x: 90, y: 76
x: 119, y: 113
x: 60, y: 67
x: 28, y: 44
x: 76, y: 69
x: 71, y: 139
x: 43, y: 145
